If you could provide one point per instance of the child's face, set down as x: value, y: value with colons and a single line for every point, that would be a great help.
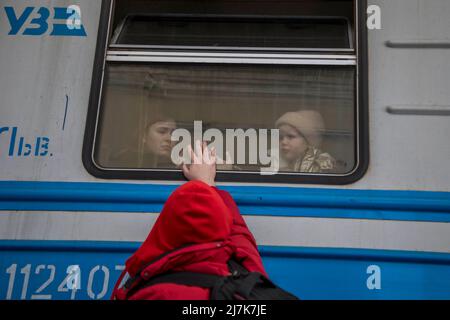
x: 292, y: 144
x: 157, y: 140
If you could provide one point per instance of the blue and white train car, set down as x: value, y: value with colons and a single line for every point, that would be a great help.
x: 80, y: 79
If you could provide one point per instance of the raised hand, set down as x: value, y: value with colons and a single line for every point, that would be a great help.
x: 203, y: 164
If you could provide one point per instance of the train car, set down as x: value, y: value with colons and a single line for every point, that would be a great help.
x: 82, y: 82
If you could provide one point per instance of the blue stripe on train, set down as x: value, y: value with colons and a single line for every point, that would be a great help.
x: 252, y: 200
x: 37, y: 269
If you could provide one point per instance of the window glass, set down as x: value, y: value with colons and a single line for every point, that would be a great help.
x: 243, y: 32
x: 312, y: 106
x: 234, y: 72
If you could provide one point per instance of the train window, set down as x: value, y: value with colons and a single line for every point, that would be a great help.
x: 250, y: 32
x: 232, y: 76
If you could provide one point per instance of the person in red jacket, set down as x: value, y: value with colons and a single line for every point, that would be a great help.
x: 199, y: 230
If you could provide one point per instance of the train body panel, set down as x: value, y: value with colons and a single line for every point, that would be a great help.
x: 42, y: 270
x: 384, y: 236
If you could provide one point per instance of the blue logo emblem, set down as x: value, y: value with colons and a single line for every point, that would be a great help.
x: 70, y: 21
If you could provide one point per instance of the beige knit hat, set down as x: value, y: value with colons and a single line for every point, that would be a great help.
x: 308, y: 122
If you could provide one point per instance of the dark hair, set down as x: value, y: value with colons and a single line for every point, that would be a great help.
x: 157, y: 115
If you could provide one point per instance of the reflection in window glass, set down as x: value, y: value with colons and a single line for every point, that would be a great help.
x: 312, y: 106
x: 222, y: 31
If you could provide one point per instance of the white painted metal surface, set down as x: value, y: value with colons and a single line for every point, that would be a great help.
x: 299, y: 232
x: 407, y: 152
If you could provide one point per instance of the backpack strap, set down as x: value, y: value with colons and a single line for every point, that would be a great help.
x: 249, y: 282
x: 235, y: 286
x: 236, y: 268
x: 240, y: 285
x: 222, y: 287
x: 184, y: 278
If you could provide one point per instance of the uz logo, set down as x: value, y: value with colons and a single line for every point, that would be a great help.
x: 39, y: 22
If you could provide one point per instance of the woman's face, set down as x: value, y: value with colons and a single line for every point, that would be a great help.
x: 292, y: 144
x: 157, y: 140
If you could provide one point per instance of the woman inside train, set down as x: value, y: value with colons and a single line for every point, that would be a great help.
x: 154, y: 145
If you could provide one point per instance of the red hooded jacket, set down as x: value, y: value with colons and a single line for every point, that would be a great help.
x: 198, y: 230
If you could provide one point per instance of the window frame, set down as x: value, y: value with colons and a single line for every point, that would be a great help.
x: 104, y: 56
